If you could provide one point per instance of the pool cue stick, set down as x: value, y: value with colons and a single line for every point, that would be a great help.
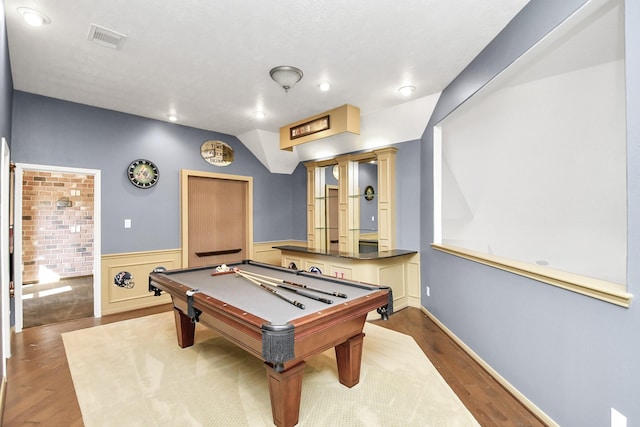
x: 300, y: 285
x: 272, y: 291
x: 273, y: 282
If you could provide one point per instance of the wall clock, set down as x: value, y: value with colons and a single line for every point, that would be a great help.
x: 369, y: 193
x: 143, y: 173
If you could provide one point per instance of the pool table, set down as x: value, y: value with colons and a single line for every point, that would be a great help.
x: 269, y: 326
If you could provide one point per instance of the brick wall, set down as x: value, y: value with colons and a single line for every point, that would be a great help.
x: 57, y: 240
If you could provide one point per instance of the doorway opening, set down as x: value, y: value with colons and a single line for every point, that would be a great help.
x: 57, y: 245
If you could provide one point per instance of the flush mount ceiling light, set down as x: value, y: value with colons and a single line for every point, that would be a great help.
x: 172, y: 117
x: 406, y: 90
x: 33, y: 17
x: 259, y: 114
x: 286, y: 76
x: 325, y: 86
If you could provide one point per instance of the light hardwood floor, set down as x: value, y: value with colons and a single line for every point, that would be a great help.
x: 40, y: 390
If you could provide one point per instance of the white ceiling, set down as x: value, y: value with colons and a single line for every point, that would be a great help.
x: 209, y: 61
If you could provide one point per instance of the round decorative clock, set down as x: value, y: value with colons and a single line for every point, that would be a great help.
x: 369, y: 193
x: 143, y: 173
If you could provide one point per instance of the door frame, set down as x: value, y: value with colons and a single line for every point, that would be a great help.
x: 185, y: 174
x: 17, y: 235
x: 5, y: 222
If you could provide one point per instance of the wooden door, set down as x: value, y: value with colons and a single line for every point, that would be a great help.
x: 218, y: 215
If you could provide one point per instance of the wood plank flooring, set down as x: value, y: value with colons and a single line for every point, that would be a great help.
x: 40, y: 391
x: 489, y: 402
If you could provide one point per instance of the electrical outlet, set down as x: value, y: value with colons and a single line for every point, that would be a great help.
x: 617, y: 419
x: 428, y: 291
x: 127, y: 223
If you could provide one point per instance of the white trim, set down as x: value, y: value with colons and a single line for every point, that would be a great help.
x: 97, y: 244
x: 97, y: 253
x: 5, y: 176
x: 437, y: 184
x: 613, y: 293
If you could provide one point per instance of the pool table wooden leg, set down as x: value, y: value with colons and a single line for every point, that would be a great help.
x: 349, y: 358
x: 185, y: 328
x: 285, y: 389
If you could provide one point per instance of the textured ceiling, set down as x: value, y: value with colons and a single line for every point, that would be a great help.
x: 209, y: 61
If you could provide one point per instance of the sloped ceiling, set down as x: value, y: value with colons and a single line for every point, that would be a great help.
x: 208, y: 62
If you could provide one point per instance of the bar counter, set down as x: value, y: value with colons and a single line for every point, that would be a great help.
x: 351, y: 255
x: 398, y: 268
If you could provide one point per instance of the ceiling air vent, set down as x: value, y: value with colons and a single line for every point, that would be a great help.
x: 105, y: 37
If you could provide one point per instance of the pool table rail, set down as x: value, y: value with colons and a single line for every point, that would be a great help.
x: 283, y: 345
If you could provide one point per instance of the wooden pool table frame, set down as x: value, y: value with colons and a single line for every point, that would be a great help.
x: 339, y: 325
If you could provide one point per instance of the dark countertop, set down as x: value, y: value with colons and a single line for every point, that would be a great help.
x: 349, y: 255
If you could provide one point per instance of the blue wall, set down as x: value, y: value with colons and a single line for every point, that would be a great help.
x: 368, y: 175
x: 6, y: 82
x: 573, y: 356
x: 408, y: 176
x: 48, y: 131
x: 53, y: 132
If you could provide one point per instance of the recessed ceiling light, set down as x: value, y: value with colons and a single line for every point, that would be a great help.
x: 406, y: 90
x: 33, y: 17
x: 173, y: 117
x: 259, y: 114
x: 325, y: 86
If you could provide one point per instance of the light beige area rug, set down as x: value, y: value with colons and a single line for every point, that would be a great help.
x: 133, y: 373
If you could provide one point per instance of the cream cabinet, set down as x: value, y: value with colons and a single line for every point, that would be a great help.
x: 398, y: 269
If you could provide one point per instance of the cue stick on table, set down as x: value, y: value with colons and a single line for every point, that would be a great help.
x: 299, y: 285
x: 271, y: 290
x: 274, y: 282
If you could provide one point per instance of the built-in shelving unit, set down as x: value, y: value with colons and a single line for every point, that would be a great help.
x: 365, y: 251
x: 350, y: 195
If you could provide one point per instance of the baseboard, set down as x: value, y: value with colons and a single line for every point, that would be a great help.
x: 503, y: 382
